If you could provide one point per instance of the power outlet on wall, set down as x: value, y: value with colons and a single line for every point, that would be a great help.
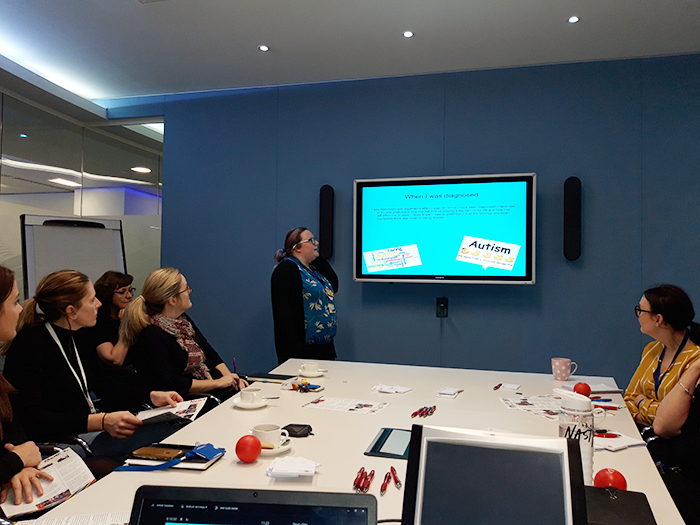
x: 441, y: 307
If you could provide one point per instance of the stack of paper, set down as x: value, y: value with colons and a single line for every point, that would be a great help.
x: 386, y: 389
x: 290, y: 467
x: 448, y: 392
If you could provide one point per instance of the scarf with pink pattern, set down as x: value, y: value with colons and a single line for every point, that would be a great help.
x: 182, y: 329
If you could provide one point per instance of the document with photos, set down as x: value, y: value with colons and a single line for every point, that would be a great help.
x: 70, y: 476
x: 185, y: 409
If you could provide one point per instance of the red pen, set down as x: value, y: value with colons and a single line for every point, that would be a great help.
x: 363, y: 478
x: 417, y: 412
x: 396, y: 478
x: 607, y: 435
x: 368, y: 480
x: 356, y: 483
x: 605, y: 407
x: 387, y: 478
x: 432, y: 410
x: 499, y: 385
x: 425, y: 412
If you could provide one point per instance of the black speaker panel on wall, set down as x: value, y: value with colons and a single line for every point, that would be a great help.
x: 325, y: 222
x: 572, y: 218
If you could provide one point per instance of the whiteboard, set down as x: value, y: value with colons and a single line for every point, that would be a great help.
x: 90, y: 246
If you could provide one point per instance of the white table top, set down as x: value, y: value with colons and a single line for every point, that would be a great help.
x: 340, y: 439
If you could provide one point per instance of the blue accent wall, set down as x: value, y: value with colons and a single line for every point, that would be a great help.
x: 242, y: 168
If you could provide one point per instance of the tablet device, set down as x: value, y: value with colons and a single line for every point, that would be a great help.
x: 390, y: 443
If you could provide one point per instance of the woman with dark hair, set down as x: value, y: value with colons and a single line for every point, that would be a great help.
x: 303, y: 287
x: 18, y: 457
x: 53, y: 364
x: 114, y: 291
x: 169, y: 351
x: 665, y: 313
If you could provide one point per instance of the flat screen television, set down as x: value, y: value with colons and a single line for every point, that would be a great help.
x: 458, y: 476
x: 459, y: 229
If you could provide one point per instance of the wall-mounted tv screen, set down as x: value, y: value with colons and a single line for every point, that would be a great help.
x: 459, y: 229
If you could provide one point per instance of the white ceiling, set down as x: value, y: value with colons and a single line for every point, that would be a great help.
x: 119, y: 48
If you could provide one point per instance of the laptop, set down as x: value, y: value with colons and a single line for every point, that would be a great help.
x: 157, y: 505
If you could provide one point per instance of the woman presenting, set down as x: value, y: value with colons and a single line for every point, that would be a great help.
x: 303, y: 290
x: 666, y: 314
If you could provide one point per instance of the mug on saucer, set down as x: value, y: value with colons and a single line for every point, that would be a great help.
x: 270, y: 434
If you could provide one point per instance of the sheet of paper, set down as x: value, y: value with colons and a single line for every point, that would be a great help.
x: 70, y: 475
x: 108, y: 518
x: 342, y: 404
x: 187, y: 409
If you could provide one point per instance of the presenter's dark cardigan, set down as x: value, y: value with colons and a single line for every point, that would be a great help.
x: 288, y: 312
x: 49, y: 403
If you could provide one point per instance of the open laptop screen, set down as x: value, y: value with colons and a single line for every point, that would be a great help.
x: 205, y: 506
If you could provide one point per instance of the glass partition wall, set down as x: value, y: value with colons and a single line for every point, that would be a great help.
x: 52, y: 166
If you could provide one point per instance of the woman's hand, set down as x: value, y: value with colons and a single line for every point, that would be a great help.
x: 121, y: 424
x: 161, y: 399
x: 28, y: 452
x: 22, y: 482
x: 241, y: 383
x: 227, y: 382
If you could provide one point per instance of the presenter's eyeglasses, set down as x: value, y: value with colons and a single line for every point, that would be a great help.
x: 188, y: 290
x: 312, y: 240
x: 638, y: 311
x: 125, y: 291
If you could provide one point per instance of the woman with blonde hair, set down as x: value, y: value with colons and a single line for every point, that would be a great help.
x: 53, y: 364
x: 169, y: 351
x: 18, y: 457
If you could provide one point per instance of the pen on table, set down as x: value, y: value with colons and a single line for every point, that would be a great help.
x: 606, y: 407
x: 357, y: 478
x: 606, y: 435
x: 431, y: 410
x: 397, y: 482
x: 234, y: 365
x: 499, y: 385
x: 368, y: 480
x: 597, y: 398
x: 387, y: 478
x: 361, y: 483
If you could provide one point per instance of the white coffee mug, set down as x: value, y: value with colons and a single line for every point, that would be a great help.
x: 561, y: 368
x: 251, y: 396
x: 270, y: 434
x: 309, y: 368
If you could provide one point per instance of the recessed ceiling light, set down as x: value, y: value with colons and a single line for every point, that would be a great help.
x: 141, y: 169
x: 408, y: 34
x: 23, y: 135
x: 573, y: 19
x: 65, y: 182
x: 263, y: 48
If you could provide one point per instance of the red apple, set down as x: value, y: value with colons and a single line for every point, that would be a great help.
x: 583, y: 389
x: 248, y: 449
x: 609, y: 477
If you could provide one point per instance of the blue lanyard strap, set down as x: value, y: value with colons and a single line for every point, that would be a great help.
x: 658, y: 377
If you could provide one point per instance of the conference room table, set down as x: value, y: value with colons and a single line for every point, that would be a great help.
x: 340, y: 438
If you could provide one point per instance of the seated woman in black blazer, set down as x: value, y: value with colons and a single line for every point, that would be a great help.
x: 53, y: 364
x: 18, y: 457
x: 168, y: 349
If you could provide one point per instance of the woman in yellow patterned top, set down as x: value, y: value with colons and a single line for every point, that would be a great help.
x: 666, y: 314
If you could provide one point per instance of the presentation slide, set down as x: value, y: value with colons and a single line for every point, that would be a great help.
x: 475, y: 229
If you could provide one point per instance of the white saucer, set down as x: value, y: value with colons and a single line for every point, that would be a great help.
x: 310, y: 374
x: 278, y: 450
x: 253, y: 406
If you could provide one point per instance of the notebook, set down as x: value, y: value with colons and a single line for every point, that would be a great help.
x: 156, y: 505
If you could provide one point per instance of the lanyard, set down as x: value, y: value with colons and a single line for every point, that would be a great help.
x: 318, y: 276
x: 83, y: 383
x: 657, y: 379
